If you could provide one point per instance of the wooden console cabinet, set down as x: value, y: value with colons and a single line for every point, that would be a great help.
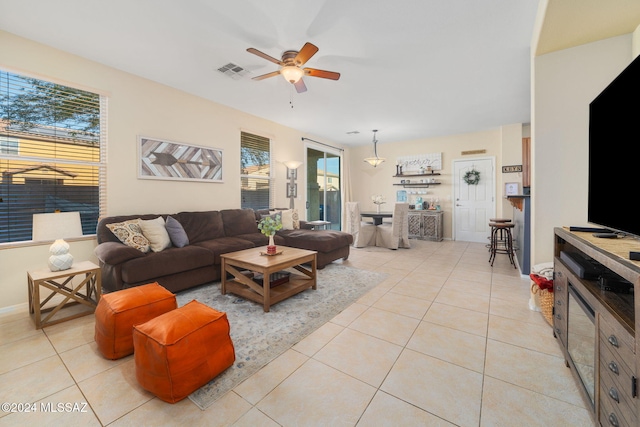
x: 607, y: 348
x: 425, y: 225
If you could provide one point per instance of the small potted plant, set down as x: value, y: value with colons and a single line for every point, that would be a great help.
x: 268, y: 226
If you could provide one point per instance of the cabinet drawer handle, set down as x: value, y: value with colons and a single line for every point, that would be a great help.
x: 613, y: 340
x: 558, y: 331
x: 559, y: 316
x: 613, y: 420
x: 613, y: 393
x: 558, y: 288
x: 558, y: 302
x: 613, y: 367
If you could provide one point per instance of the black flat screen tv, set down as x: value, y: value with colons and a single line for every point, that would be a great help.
x: 614, y: 154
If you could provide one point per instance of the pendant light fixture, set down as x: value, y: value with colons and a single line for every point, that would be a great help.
x: 375, y: 160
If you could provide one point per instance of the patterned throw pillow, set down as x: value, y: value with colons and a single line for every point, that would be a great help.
x: 290, y: 218
x: 129, y: 233
x: 296, y: 219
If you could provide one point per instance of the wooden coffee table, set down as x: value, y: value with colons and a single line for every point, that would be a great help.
x: 252, y: 259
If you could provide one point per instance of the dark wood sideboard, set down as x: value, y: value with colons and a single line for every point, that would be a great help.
x: 596, y: 328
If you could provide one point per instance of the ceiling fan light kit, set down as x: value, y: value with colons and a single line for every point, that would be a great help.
x: 375, y: 160
x: 291, y: 62
x: 291, y: 74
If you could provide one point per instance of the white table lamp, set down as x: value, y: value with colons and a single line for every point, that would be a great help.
x: 57, y: 226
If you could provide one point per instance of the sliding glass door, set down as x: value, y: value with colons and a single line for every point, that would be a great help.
x: 324, y: 196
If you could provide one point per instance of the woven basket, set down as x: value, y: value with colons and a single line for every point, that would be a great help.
x: 546, y: 302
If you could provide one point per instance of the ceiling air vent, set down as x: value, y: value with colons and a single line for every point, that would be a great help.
x: 232, y: 70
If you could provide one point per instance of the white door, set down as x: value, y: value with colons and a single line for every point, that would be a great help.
x: 474, y: 204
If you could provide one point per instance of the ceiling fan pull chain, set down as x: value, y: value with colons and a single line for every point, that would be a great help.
x: 291, y: 97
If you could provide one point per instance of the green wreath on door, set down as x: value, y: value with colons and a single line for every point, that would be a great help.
x: 472, y: 177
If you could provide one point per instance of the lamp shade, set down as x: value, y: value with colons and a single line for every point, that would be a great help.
x: 292, y: 164
x: 374, y: 161
x: 52, y: 226
x: 291, y: 73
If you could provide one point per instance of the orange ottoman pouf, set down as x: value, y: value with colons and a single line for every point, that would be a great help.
x: 117, y: 313
x: 182, y: 350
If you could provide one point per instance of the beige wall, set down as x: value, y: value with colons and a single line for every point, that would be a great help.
x: 501, y: 143
x: 564, y: 83
x: 141, y: 107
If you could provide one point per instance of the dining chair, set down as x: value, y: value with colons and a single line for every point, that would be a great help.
x: 364, y: 233
x: 395, y: 235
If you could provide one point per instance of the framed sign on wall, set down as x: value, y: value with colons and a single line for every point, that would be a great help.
x: 413, y: 164
x: 511, y: 189
x: 170, y: 160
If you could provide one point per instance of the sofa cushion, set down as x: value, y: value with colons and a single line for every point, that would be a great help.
x: 201, y: 226
x: 225, y: 245
x: 130, y: 233
x: 155, y: 231
x: 239, y: 221
x: 316, y: 240
x: 169, y: 261
x: 176, y: 232
x: 116, y: 253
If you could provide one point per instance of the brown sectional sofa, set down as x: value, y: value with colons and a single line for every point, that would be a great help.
x: 211, y: 234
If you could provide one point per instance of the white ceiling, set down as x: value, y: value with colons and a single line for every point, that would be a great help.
x: 410, y: 68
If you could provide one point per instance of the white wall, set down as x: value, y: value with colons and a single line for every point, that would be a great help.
x: 141, y: 107
x: 564, y: 83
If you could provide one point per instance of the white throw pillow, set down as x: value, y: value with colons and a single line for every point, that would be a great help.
x: 286, y: 217
x: 156, y: 233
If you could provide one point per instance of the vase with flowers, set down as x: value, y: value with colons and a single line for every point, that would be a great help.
x: 378, y: 200
x: 268, y: 226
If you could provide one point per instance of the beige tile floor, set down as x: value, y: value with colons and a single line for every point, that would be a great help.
x: 445, y: 340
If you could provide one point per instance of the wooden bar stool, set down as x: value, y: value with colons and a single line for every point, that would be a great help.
x: 495, y: 220
x: 499, y: 220
x: 501, y: 241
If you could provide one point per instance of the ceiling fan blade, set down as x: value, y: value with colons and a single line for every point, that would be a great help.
x: 300, y: 86
x: 265, y: 56
x: 266, y: 76
x: 332, y: 75
x: 307, y: 51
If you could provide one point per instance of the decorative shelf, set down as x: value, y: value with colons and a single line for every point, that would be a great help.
x: 416, y: 174
x: 419, y: 184
x: 517, y: 201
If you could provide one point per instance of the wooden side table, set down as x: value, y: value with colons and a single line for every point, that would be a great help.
x: 61, y: 283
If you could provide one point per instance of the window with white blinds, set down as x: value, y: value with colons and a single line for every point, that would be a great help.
x: 256, y: 187
x: 52, y: 154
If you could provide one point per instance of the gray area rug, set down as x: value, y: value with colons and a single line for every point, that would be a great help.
x: 260, y: 337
